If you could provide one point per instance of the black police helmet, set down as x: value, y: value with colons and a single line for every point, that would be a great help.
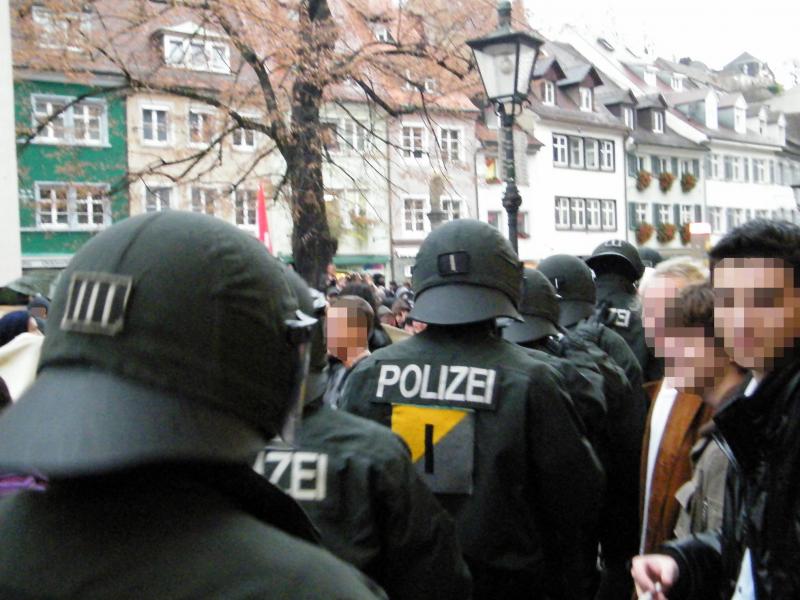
x: 650, y: 257
x: 617, y: 256
x: 173, y: 336
x: 574, y: 283
x: 539, y: 308
x: 466, y: 272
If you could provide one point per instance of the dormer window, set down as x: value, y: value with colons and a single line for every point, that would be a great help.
x: 549, y: 93
x: 382, y: 34
x: 677, y: 82
x: 628, y: 117
x: 196, y: 54
x: 587, y: 101
x: 650, y: 76
x: 762, y: 125
x: 430, y: 85
x: 658, y: 121
x: 64, y: 30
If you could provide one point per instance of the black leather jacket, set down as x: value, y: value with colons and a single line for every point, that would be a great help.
x: 761, y: 435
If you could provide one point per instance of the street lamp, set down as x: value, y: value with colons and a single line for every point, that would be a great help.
x: 505, y: 62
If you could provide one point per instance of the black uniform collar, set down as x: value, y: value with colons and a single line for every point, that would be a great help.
x: 612, y: 283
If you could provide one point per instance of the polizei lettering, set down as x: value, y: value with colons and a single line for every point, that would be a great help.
x: 451, y: 384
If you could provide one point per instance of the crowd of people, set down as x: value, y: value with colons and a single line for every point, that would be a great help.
x: 190, y: 419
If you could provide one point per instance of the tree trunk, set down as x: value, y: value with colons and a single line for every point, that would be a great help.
x: 313, y: 246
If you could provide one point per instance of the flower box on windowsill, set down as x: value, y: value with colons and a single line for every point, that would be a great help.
x: 493, y: 180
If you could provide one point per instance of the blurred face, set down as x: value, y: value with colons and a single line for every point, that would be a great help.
x: 658, y: 300
x: 400, y: 317
x: 756, y: 310
x: 346, y: 336
x: 693, y: 362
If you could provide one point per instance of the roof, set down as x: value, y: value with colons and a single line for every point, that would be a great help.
x: 599, y: 118
x: 193, y: 30
x: 488, y: 137
x: 609, y: 96
x: 669, y: 138
x: 744, y: 57
x: 543, y: 67
x: 696, y: 71
x: 729, y: 100
x: 651, y: 101
x: 575, y: 75
x: 690, y: 97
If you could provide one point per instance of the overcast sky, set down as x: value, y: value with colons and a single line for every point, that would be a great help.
x: 713, y: 31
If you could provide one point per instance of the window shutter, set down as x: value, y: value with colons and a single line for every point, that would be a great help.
x: 747, y: 169
x: 698, y: 213
x: 631, y: 164
x: 696, y: 168
x: 771, y: 171
x: 730, y: 218
x: 676, y: 210
x: 656, y: 214
x: 632, y: 224
x: 707, y: 165
x: 656, y: 166
x: 675, y: 168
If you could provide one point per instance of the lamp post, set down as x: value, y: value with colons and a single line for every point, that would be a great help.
x: 505, y: 60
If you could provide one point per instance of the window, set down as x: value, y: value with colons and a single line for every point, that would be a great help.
x: 660, y: 165
x: 522, y: 225
x: 677, y: 82
x: 577, y: 213
x: 245, y: 207
x: 650, y: 74
x: 662, y: 213
x: 762, y: 125
x: 593, y: 214
x: 244, y: 139
x: 728, y: 161
x: 330, y: 135
x: 382, y: 35
x: 414, y: 214
x: 52, y: 206
x: 204, y: 200
x: 560, y: 151
x: 736, y: 217
x: 201, y: 127
x: 587, y: 101
x: 452, y: 209
x: 759, y: 171
x: 449, y: 141
x: 628, y: 117
x: 639, y: 213
x: 762, y: 214
x: 592, y: 150
x: 62, y: 31
x: 576, y: 152
x: 196, y: 54
x: 157, y: 199
x: 715, y: 166
x: 562, y: 213
x: 549, y: 93
x: 607, y: 155
x: 609, y: 215
x: 493, y: 217
x: 354, y: 135
x: 430, y: 85
x: 736, y: 163
x: 715, y: 217
x: 155, y: 123
x: 80, y: 206
x: 738, y: 119
x: 686, y: 212
x: 84, y: 123
x: 412, y: 142
x: 658, y: 121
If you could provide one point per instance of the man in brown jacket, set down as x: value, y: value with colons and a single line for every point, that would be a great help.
x: 674, y: 419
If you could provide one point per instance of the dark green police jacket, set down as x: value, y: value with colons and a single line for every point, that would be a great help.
x: 494, y: 435
x: 167, y: 532
x: 356, y: 482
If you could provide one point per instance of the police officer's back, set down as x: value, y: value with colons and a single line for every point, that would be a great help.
x: 355, y: 480
x: 490, y: 430
x: 616, y: 431
x: 618, y: 266
x: 174, y: 353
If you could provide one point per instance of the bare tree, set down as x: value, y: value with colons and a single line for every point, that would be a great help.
x: 288, y: 58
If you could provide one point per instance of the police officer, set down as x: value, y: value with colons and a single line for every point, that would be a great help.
x: 175, y: 351
x: 616, y: 432
x: 491, y: 431
x: 618, y: 268
x: 355, y: 480
x: 577, y: 296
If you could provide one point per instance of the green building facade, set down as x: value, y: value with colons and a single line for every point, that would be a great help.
x: 72, y: 174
